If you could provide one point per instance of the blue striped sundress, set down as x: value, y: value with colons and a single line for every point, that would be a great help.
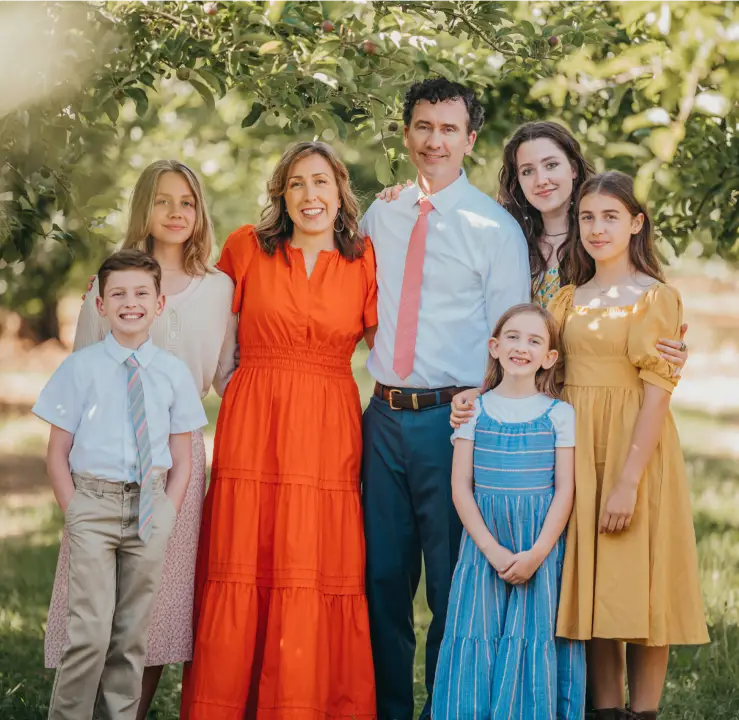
x: 499, y: 657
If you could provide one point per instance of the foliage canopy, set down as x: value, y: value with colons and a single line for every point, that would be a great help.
x: 649, y: 87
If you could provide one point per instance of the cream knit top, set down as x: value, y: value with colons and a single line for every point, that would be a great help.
x: 197, y: 326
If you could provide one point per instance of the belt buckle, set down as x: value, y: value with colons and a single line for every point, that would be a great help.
x: 414, y: 399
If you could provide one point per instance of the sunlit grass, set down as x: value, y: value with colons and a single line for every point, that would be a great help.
x: 702, y: 682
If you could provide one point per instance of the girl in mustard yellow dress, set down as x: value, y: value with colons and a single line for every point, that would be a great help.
x: 630, y: 579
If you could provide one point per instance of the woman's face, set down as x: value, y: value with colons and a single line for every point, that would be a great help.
x: 174, y: 213
x: 312, y: 195
x: 545, y: 174
x: 606, y: 227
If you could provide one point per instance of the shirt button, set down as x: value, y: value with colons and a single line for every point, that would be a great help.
x: 173, y: 334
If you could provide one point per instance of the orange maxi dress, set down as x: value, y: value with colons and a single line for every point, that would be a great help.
x: 281, y: 622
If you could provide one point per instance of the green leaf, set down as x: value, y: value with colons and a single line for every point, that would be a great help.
x: 528, y: 29
x: 139, y: 97
x: 254, y: 114
x: 214, y: 80
x: 270, y: 48
x: 204, y: 91
x: 275, y: 10
x: 382, y: 171
x: 111, y: 110
x: 378, y: 112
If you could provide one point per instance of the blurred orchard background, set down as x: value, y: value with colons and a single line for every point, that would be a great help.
x: 91, y: 92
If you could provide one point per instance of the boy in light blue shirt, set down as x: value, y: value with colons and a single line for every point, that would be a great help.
x: 121, y: 414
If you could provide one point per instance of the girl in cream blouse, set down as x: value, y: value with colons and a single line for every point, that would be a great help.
x: 169, y: 219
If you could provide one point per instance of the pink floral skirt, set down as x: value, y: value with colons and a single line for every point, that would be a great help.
x: 170, y: 633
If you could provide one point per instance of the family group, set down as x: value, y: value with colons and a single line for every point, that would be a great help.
x: 552, y: 525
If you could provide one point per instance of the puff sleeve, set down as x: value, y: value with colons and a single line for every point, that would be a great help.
x: 561, y: 301
x: 370, y: 270
x: 240, y: 247
x: 659, y: 314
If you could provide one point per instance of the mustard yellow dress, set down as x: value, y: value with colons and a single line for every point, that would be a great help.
x: 639, y: 585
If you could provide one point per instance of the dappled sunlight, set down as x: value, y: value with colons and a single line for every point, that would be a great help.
x: 46, y: 56
x: 478, y: 221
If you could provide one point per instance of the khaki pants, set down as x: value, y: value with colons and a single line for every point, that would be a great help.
x: 113, y: 581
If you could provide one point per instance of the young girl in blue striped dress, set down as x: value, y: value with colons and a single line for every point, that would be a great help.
x: 513, y: 487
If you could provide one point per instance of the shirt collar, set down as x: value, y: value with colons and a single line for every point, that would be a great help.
x: 144, y: 354
x: 445, y: 199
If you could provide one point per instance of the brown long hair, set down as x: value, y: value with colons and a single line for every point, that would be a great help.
x: 275, y: 228
x: 513, y: 199
x: 198, y: 246
x: 546, y: 380
x: 642, y: 254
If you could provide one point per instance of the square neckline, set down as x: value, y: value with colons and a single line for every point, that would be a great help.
x: 574, y: 306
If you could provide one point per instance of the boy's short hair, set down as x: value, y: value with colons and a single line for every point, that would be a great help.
x: 130, y: 260
x: 438, y: 90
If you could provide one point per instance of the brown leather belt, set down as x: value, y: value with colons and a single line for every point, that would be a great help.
x: 400, y: 400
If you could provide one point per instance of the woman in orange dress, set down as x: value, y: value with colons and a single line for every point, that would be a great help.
x: 281, y: 623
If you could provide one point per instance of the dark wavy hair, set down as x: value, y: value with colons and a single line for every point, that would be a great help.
x: 275, y: 227
x: 642, y: 254
x: 438, y: 90
x: 512, y: 198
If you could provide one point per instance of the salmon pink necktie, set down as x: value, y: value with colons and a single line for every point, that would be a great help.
x: 410, y: 294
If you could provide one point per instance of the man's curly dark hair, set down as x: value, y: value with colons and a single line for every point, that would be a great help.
x: 438, y: 90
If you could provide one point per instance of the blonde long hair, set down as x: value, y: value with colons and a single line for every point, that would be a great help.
x: 198, y: 247
x: 275, y: 228
x: 546, y: 380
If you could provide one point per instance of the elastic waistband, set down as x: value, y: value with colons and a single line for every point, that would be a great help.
x: 607, y: 371
x: 287, y: 358
x: 109, y: 487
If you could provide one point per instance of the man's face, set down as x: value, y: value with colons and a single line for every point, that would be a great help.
x: 437, y: 139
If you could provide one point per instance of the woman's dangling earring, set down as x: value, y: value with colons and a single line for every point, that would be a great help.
x: 339, y: 216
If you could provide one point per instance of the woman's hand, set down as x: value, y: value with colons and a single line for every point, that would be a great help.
x: 675, y: 351
x: 619, y: 507
x: 524, y: 565
x: 463, y: 407
x: 389, y: 194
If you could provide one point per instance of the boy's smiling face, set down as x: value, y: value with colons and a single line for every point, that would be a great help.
x: 130, y: 303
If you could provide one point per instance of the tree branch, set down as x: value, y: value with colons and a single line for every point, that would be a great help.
x: 464, y: 19
x: 146, y: 9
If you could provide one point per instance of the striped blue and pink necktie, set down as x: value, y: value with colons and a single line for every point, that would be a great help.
x: 137, y: 411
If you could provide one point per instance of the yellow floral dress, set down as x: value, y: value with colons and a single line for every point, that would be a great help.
x: 639, y: 585
x: 548, y: 287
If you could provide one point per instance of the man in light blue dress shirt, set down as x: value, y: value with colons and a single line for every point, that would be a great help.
x: 473, y: 266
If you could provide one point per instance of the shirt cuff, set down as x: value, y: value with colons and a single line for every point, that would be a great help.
x: 648, y: 376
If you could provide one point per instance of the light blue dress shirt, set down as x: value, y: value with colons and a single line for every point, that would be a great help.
x: 476, y: 267
x: 88, y: 397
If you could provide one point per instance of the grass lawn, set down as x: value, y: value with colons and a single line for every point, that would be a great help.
x: 703, y: 683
